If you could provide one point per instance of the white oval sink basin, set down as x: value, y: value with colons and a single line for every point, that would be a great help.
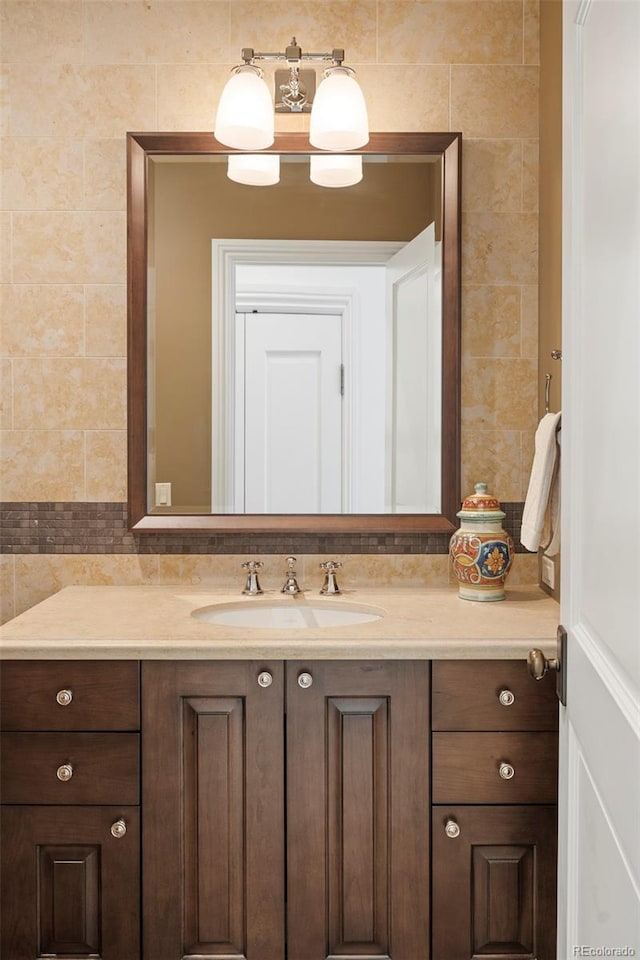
x: 288, y: 614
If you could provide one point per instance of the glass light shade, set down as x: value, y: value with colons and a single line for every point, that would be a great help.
x: 245, y: 117
x: 254, y: 169
x: 335, y: 169
x: 339, y: 118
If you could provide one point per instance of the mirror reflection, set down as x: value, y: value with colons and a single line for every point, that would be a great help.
x: 294, y: 339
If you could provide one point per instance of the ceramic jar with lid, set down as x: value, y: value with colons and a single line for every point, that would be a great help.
x: 481, y: 550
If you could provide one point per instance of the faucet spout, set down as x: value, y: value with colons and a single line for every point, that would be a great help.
x: 291, y: 584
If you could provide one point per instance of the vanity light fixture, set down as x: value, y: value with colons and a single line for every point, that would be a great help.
x: 336, y: 169
x: 245, y: 116
x: 254, y: 169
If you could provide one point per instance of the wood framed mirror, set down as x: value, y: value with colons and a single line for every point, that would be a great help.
x: 362, y: 416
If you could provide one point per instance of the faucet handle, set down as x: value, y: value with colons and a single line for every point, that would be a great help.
x: 252, y: 587
x: 291, y: 584
x: 330, y: 586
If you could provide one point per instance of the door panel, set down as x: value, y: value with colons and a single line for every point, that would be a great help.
x: 68, y: 885
x: 494, y: 883
x: 213, y: 807
x: 357, y: 810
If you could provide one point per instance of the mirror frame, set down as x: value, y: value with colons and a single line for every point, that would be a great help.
x: 140, y: 146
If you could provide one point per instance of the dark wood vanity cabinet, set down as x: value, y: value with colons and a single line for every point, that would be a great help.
x: 351, y: 876
x: 292, y: 810
x: 69, y: 841
x: 494, y: 789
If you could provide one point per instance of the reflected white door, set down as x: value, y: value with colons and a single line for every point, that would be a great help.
x: 414, y: 400
x: 292, y: 413
x: 599, y: 816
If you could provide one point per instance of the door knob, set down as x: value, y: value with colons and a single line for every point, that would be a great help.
x: 538, y: 664
x: 305, y: 680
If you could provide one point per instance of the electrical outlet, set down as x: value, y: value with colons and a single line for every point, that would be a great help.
x: 548, y: 572
x: 163, y: 494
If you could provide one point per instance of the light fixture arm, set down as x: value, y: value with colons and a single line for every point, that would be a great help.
x: 293, y: 54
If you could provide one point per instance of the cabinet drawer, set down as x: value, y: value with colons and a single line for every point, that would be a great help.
x: 466, y: 767
x: 466, y: 695
x: 103, y: 768
x: 69, y: 695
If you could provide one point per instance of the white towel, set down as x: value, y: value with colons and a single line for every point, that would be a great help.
x: 537, y: 500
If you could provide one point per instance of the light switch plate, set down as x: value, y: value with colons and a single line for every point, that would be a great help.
x: 548, y: 571
x: 163, y: 494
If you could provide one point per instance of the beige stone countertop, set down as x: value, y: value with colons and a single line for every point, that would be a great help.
x: 155, y: 622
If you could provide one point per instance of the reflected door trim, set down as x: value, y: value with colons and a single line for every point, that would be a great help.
x: 142, y: 146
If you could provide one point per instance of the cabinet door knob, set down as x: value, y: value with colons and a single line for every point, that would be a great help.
x: 64, y: 697
x: 506, y: 698
x: 265, y: 679
x: 118, y: 829
x: 64, y: 772
x: 506, y: 771
x: 452, y: 829
x: 305, y: 680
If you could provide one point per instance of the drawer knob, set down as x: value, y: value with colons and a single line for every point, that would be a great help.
x: 452, y: 829
x: 305, y: 680
x: 64, y: 697
x: 506, y: 698
x: 265, y: 679
x: 64, y: 772
x: 506, y: 771
x: 118, y: 829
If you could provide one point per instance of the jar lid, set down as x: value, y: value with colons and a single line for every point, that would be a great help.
x: 481, y: 505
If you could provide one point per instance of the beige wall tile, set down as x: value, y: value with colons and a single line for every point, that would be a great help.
x: 524, y: 571
x: 105, y: 174
x: 441, y: 31
x: 38, y: 320
x: 494, y: 101
x: 41, y: 174
x: 188, y: 95
x: 74, y: 100
x: 4, y: 100
x: 6, y: 395
x: 529, y: 315
x: 491, y: 320
x: 406, y: 98
x: 492, y: 175
x: 39, y: 576
x: 7, y: 582
x: 222, y: 570
x: 530, y: 176
x: 106, y: 320
x: 531, y: 40
x: 379, y: 570
x: 499, y: 248
x: 318, y: 26
x: 36, y: 31
x: 41, y: 465
x: 5, y: 248
x: 492, y: 457
x: 106, y: 465
x: 499, y: 394
x: 69, y: 247
x: 81, y: 394
x: 129, y: 31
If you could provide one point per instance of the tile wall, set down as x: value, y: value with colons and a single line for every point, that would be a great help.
x: 77, y: 74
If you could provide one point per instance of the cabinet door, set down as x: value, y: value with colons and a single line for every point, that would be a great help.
x: 494, y: 883
x: 69, y: 886
x: 358, y: 810
x: 213, y: 807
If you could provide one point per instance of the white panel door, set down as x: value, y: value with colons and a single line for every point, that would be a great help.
x: 293, y: 413
x: 414, y: 401
x: 599, y: 817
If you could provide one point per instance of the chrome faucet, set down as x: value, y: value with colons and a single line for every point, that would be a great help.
x: 291, y: 584
x: 252, y: 587
x: 330, y: 586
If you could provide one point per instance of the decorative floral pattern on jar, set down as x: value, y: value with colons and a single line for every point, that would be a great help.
x: 481, y: 551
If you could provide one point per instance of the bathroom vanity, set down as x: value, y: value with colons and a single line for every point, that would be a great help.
x: 175, y: 788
